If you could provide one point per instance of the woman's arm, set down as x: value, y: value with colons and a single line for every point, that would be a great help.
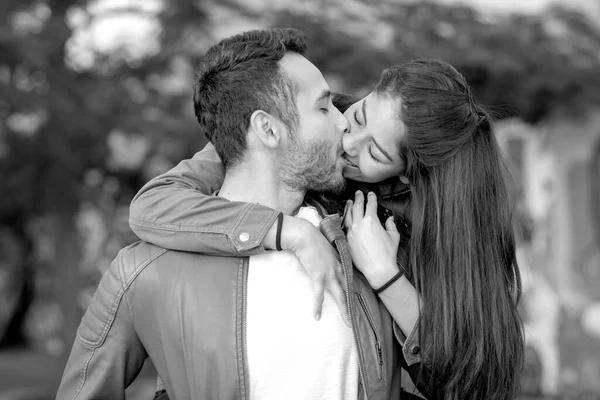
x: 373, y: 250
x: 177, y: 211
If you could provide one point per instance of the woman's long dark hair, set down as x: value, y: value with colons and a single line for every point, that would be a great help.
x: 462, y: 246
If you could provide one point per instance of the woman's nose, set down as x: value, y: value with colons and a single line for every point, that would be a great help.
x: 342, y: 124
x: 350, y: 143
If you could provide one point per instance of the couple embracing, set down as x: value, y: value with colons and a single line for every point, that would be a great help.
x: 317, y: 245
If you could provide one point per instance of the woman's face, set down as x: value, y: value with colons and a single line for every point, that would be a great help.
x: 371, y: 146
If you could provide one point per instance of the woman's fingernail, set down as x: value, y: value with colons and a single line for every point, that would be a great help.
x: 317, y: 317
x: 371, y: 194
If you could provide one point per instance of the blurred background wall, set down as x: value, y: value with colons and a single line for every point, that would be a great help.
x: 95, y: 99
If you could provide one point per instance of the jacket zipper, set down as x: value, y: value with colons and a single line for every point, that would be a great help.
x: 393, y: 195
x: 353, y: 322
x: 376, y: 335
x: 244, y: 330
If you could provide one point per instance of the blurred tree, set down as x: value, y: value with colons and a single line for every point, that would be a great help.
x: 595, y: 192
x: 527, y: 66
x: 64, y: 128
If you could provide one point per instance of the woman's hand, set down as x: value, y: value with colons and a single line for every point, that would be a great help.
x: 319, y: 259
x: 373, y: 248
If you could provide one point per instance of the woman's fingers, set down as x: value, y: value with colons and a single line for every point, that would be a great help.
x: 348, y: 214
x: 332, y: 283
x: 392, y: 230
x: 390, y: 225
x: 371, y: 207
x: 358, y: 209
x: 340, y: 299
x: 319, y: 293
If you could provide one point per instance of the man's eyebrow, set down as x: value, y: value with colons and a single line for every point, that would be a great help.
x: 325, y: 94
x: 385, y: 153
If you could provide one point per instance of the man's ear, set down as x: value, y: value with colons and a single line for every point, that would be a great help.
x: 266, y: 128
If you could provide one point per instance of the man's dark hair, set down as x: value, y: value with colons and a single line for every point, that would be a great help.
x: 239, y: 75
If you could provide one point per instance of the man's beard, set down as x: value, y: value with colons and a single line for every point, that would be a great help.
x: 311, y: 166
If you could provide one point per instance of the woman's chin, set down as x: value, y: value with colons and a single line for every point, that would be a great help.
x: 353, y: 173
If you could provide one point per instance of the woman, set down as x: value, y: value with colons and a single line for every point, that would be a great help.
x: 422, y: 136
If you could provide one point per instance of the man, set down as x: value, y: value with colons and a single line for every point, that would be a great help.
x: 236, y: 328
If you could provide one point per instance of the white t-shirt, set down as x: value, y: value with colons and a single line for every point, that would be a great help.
x: 290, y: 354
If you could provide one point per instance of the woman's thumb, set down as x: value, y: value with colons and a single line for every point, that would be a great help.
x: 390, y: 225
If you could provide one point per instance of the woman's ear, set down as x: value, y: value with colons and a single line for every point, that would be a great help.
x: 266, y: 128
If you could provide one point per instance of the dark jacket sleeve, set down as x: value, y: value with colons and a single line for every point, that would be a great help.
x: 177, y: 211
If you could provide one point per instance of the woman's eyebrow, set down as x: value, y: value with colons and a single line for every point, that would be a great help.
x: 385, y: 153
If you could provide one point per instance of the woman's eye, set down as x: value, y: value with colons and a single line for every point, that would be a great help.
x: 325, y: 110
x: 371, y: 153
x: 356, y: 118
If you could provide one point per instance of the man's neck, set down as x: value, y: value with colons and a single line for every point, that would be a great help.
x: 260, y: 186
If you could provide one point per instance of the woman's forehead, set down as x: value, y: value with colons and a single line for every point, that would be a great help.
x: 382, y: 114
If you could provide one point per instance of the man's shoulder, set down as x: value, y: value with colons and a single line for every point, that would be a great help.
x: 113, y: 286
x: 141, y: 251
x: 143, y: 261
x: 133, y: 259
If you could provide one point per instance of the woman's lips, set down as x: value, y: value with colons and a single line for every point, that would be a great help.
x: 348, y: 162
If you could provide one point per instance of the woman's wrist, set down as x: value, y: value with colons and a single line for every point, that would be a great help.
x: 377, y: 277
x: 404, y: 294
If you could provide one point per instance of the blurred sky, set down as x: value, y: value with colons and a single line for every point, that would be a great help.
x: 110, y: 24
